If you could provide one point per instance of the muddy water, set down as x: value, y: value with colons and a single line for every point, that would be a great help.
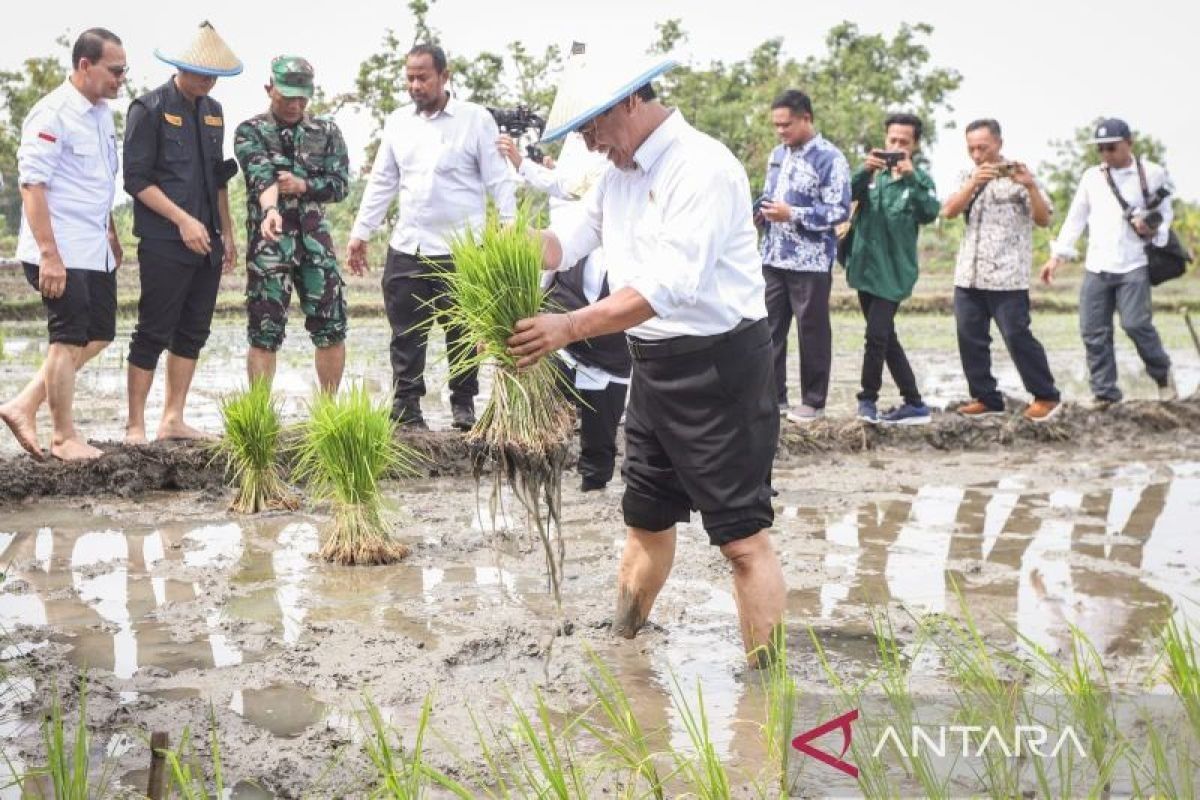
x: 172, y: 605
x: 929, y: 340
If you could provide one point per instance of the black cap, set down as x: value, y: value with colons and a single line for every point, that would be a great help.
x: 1111, y: 130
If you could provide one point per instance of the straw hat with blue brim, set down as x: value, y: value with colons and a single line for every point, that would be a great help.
x: 589, y: 87
x: 205, y: 54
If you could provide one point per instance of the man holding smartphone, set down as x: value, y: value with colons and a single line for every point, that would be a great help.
x: 1001, y: 202
x: 894, y: 199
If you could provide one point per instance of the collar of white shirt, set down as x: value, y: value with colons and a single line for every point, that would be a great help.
x: 75, y: 100
x: 659, y: 140
x: 449, y: 109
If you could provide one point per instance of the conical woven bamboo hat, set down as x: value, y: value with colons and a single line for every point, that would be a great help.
x: 591, y: 84
x: 206, y: 54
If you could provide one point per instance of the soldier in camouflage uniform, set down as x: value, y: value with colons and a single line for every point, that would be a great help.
x: 294, y: 163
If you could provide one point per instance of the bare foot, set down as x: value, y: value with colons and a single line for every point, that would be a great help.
x: 135, y: 434
x: 74, y: 450
x: 23, y: 429
x: 180, y: 430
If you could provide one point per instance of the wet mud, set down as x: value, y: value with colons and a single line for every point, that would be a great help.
x: 173, y: 607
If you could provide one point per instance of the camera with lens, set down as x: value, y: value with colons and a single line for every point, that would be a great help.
x: 1150, y: 216
x: 890, y: 157
x: 516, y: 122
x: 1004, y: 169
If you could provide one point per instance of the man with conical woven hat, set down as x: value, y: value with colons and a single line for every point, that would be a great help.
x: 673, y: 216
x: 176, y: 172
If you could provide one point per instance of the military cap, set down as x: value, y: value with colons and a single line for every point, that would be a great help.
x: 292, y: 76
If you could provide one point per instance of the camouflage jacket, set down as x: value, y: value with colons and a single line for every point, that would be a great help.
x: 318, y: 155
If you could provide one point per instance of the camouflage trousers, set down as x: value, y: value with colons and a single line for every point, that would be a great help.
x: 305, y: 261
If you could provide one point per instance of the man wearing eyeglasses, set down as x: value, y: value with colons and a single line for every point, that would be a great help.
x: 67, y: 169
x: 1116, y: 276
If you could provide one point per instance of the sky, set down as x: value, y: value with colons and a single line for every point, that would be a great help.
x: 1041, y: 68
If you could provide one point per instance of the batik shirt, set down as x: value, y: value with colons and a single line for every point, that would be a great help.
x: 815, y: 181
x: 997, y: 245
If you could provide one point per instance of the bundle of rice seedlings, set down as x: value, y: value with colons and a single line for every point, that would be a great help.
x: 251, y: 441
x: 524, y: 430
x: 347, y: 446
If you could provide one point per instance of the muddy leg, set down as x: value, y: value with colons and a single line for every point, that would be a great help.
x: 645, y: 565
x: 759, y: 591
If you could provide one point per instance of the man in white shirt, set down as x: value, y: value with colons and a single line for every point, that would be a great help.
x: 1116, y: 276
x: 702, y: 423
x: 67, y: 170
x: 440, y: 157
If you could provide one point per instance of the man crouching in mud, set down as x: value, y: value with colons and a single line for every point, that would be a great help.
x: 702, y: 425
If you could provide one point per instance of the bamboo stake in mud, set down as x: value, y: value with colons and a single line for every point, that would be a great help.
x: 156, y: 785
x: 1187, y: 318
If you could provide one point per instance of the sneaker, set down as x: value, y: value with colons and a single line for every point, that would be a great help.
x: 463, y: 415
x: 907, y: 414
x: 867, y: 411
x: 407, y: 415
x: 977, y: 409
x: 1104, y: 403
x: 1042, y: 410
x: 1166, y: 390
x: 804, y: 413
x: 589, y: 484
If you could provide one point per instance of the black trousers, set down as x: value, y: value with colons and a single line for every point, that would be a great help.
x: 600, y: 413
x: 882, y: 347
x: 411, y: 300
x: 974, y: 311
x: 175, y: 309
x: 85, y: 312
x: 804, y: 295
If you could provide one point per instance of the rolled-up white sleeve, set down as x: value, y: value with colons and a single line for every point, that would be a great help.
x: 581, y: 233
x: 545, y: 180
x: 41, y: 147
x: 382, y: 185
x: 696, y: 223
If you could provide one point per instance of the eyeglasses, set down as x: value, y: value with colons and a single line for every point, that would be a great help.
x: 588, y: 131
x: 1107, y: 148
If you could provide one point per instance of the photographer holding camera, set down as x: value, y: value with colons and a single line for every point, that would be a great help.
x: 1001, y: 202
x: 894, y: 199
x: 1121, y: 202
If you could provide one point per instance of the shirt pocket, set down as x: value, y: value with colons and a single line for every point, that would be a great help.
x: 456, y: 157
x: 174, y: 148
x: 84, y: 152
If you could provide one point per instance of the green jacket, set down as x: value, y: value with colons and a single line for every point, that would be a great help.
x: 883, y: 251
x: 313, y: 149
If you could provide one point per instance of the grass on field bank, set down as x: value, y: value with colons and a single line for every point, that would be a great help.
x: 603, y: 748
x: 525, y: 427
x: 249, y: 449
x: 347, y: 446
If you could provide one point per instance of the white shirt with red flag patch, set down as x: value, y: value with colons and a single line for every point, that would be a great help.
x: 69, y: 146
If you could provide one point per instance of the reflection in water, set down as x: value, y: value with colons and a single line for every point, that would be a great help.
x: 284, y: 710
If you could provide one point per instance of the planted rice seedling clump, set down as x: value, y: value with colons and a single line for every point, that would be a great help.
x: 347, y: 446
x: 249, y: 447
x: 526, y: 425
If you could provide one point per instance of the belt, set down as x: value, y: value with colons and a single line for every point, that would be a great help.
x: 644, y: 349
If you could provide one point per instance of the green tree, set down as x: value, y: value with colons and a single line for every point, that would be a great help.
x: 854, y: 83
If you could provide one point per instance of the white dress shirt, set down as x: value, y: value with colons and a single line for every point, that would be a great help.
x: 69, y: 146
x: 1112, y: 244
x: 677, y: 229
x: 442, y: 166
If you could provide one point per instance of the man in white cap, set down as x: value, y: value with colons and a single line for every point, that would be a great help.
x: 1123, y: 203
x: 176, y: 172
x: 702, y: 424
x: 66, y: 171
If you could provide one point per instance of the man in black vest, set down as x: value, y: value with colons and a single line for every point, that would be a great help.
x: 176, y: 172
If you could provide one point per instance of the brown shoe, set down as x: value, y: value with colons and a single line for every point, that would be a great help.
x: 1042, y: 410
x: 977, y: 409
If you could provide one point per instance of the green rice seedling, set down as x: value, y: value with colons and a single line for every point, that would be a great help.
x: 402, y: 774
x: 549, y: 764
x: 186, y: 777
x: 68, y: 758
x: 623, y: 739
x: 1182, y: 658
x: 780, y: 692
x: 524, y: 429
x: 701, y: 771
x: 347, y: 446
x: 249, y: 447
x: 1168, y: 769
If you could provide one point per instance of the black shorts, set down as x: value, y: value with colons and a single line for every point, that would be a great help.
x: 701, y: 430
x: 85, y: 312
